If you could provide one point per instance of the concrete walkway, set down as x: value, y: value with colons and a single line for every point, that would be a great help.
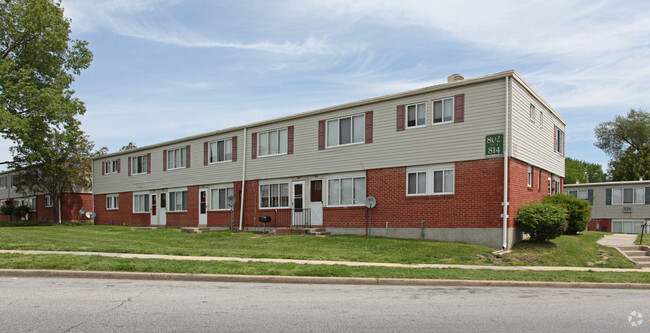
x: 618, y: 240
x: 343, y: 263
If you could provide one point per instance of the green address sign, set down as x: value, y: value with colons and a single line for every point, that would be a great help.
x: 494, y: 144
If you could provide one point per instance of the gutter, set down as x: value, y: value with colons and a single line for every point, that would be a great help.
x: 243, y: 185
x: 505, y: 202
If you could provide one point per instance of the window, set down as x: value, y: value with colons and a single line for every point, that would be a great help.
x: 556, y: 185
x: 139, y: 164
x: 580, y: 194
x: 541, y: 119
x: 3, y: 182
x: 178, y: 200
x: 29, y: 202
x: 431, y: 180
x: 112, y: 201
x: 274, y: 195
x: 628, y: 196
x: 346, y: 191
x: 176, y: 158
x: 416, y: 115
x: 273, y: 142
x: 140, y: 202
x: 110, y: 166
x: 532, y: 112
x: 219, y: 198
x: 549, y: 184
x: 14, y: 180
x: 49, y: 201
x: 220, y: 151
x: 443, y: 110
x: 559, y: 140
x: 530, y: 176
x: 345, y: 131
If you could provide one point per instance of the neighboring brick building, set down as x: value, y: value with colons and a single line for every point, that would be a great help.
x: 616, y: 206
x: 433, y: 158
x: 41, y: 205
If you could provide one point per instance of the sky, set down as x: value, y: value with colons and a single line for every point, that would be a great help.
x: 167, y: 69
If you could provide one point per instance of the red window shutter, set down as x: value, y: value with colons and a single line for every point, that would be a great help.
x: 119, y: 165
x: 148, y: 162
x: 254, y: 146
x: 369, y: 126
x: 187, y: 160
x: 554, y: 138
x: 400, y: 117
x: 164, y: 161
x: 205, y: 153
x: 290, y: 140
x: 103, y: 167
x: 234, y: 149
x: 459, y: 108
x: 129, y: 166
x: 321, y: 134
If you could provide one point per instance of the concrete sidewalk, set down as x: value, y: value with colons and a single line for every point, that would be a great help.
x: 618, y: 240
x: 326, y: 262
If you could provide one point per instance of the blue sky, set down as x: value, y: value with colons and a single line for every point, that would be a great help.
x: 165, y: 69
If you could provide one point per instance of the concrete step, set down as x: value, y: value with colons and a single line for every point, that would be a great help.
x: 641, y: 258
x: 643, y: 264
x: 630, y: 248
x: 635, y: 253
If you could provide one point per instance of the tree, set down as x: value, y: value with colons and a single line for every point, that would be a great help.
x: 131, y: 145
x: 578, y: 211
x: 583, y: 172
x: 615, y: 137
x: 38, y: 63
x: 64, y: 164
x: 632, y: 164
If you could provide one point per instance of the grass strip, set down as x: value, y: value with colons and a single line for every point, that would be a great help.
x: 97, y: 263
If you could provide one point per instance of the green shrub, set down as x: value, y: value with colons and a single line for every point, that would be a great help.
x: 7, y: 209
x: 542, y: 221
x: 578, y: 211
x: 21, y: 211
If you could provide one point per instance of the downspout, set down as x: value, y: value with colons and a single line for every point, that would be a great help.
x: 243, y: 186
x: 92, y: 184
x: 505, y: 202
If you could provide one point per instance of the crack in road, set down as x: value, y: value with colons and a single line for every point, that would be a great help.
x: 73, y: 327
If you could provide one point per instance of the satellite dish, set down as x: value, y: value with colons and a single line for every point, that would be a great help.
x: 231, y: 201
x: 82, y: 211
x: 91, y: 215
x: 371, y: 202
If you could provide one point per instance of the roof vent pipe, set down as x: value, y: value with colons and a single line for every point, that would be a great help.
x: 454, y: 77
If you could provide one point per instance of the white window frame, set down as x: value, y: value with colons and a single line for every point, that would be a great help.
x: 530, y: 176
x: 532, y: 113
x: 30, y: 202
x: 559, y: 134
x: 636, y: 199
x: 549, y: 184
x: 144, y: 196
x: 134, y: 164
x: 110, y: 167
x: 49, y: 201
x: 442, y: 119
x: 215, y: 157
x: 338, y: 131
x: 172, y: 208
x: 112, y: 201
x: 3, y: 182
x: 356, y: 199
x: 556, y: 184
x: 13, y: 179
x: 580, y: 194
x: 430, y: 172
x: 269, y: 185
x: 229, y: 189
x: 282, y: 138
x: 175, y: 163
x: 415, y: 106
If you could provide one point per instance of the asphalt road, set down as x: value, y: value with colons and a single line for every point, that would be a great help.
x: 88, y: 305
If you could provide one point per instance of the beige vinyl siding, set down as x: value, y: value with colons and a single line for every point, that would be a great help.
x: 431, y: 144
x: 603, y: 211
x: 196, y: 174
x: 530, y: 142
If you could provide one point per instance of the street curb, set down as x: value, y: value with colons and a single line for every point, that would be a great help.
x: 311, y: 279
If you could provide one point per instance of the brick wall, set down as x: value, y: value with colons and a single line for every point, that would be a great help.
x: 603, y: 225
x: 189, y: 218
x: 122, y: 216
x: 519, y: 193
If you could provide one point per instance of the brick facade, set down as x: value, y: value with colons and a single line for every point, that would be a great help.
x: 71, y: 204
x: 600, y: 225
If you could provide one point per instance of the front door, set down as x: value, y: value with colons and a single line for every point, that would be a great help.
x: 203, y: 207
x: 154, y: 209
x: 316, y: 202
x: 298, y: 204
x: 158, y: 208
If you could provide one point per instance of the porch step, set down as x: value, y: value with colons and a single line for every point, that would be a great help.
x: 194, y: 230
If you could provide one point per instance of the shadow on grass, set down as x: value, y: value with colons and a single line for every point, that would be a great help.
x: 530, y: 245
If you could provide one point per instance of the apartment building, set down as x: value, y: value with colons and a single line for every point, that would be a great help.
x: 42, y: 206
x: 616, y: 206
x: 440, y: 162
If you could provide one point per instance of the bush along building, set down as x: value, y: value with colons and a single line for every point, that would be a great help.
x: 42, y: 206
x: 616, y: 206
x: 440, y: 162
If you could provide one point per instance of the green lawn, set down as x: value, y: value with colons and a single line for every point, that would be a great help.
x: 646, y: 239
x: 579, y: 250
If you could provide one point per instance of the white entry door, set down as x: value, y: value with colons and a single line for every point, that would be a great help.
x: 158, y: 208
x: 316, y: 202
x: 203, y: 207
x: 298, y: 204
